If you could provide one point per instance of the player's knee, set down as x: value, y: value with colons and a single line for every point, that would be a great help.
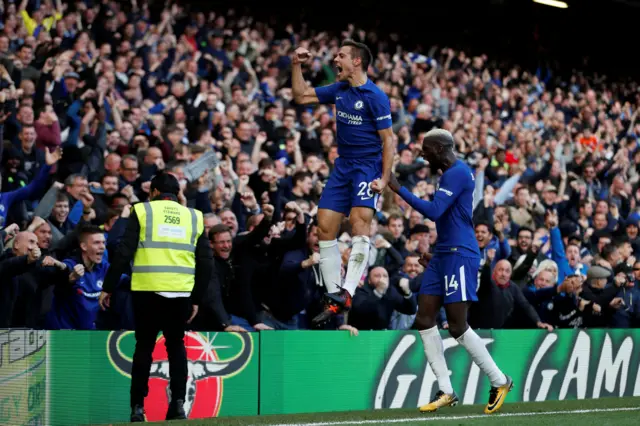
x: 359, y: 226
x: 424, y: 323
x: 326, y: 233
x: 457, y: 329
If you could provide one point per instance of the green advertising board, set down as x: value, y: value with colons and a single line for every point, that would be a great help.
x: 88, y: 374
x: 328, y: 371
x: 83, y: 377
x: 23, y: 377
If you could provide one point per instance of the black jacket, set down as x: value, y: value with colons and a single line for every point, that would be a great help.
x: 370, y: 312
x: 496, y: 306
x: 236, y: 274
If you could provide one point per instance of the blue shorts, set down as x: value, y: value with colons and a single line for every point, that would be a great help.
x: 350, y: 185
x: 453, y: 277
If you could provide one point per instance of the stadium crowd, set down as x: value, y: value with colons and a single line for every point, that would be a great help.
x: 98, y: 97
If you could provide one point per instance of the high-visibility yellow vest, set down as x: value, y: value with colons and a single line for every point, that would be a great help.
x: 165, y: 259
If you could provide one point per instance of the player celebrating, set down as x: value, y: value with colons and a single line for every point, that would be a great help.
x: 365, y: 149
x: 452, y: 275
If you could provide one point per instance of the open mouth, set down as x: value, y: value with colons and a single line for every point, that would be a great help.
x: 339, y: 69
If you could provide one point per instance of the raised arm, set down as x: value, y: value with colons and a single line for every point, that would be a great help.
x: 303, y: 94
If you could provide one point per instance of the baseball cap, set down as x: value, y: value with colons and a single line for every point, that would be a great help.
x: 550, y: 188
x: 72, y: 75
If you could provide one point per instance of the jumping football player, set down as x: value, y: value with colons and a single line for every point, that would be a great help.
x: 451, y: 277
x: 365, y: 149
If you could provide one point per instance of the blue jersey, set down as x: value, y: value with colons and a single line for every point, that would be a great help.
x: 360, y: 113
x: 79, y: 308
x: 451, y: 210
x: 7, y: 199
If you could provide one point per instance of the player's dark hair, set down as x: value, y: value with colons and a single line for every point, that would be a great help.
x: 360, y: 50
x: 413, y: 254
x: 165, y: 183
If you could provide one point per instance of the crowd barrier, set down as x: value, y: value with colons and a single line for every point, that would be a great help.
x: 82, y: 377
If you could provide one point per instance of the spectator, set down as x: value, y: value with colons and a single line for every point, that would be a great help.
x: 559, y: 148
x: 75, y: 303
x: 375, y: 302
x: 499, y: 299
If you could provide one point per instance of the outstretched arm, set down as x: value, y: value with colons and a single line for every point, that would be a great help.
x: 442, y: 200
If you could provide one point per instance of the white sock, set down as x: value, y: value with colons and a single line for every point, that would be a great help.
x: 480, y: 355
x: 434, y: 351
x: 358, y: 261
x: 330, y: 262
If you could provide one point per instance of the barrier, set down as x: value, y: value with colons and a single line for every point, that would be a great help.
x: 83, y: 377
x: 88, y: 377
x: 327, y: 371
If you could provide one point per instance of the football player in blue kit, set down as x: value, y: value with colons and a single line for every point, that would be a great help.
x: 362, y: 170
x: 451, y: 277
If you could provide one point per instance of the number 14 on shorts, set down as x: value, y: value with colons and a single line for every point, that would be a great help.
x: 450, y: 284
x: 455, y: 282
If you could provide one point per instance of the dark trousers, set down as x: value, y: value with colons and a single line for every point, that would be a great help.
x: 154, y: 313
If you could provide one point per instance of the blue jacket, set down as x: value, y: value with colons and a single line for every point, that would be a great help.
x: 503, y: 250
x: 75, y: 305
x: 558, y: 255
x: 24, y: 193
x: 299, y: 286
x: 627, y: 316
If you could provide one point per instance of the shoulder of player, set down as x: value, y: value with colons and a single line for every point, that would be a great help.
x: 459, y: 172
x: 372, y: 91
x: 341, y: 86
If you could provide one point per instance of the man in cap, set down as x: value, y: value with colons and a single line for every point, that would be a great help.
x: 603, y: 298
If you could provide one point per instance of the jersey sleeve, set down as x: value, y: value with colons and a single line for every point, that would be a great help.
x: 381, y: 110
x: 451, y: 186
x: 327, y: 94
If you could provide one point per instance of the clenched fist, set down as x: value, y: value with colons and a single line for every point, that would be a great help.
x: 78, y: 271
x: 379, y: 185
x: 33, y: 255
x: 268, y: 210
x: 301, y: 55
